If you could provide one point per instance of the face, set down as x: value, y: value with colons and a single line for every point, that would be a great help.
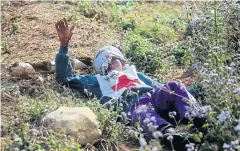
x: 116, y: 64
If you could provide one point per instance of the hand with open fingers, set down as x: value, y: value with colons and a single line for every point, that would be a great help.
x: 64, y: 33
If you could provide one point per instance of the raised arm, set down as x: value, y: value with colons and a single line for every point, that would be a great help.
x: 63, y: 68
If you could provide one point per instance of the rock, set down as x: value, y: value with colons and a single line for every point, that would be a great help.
x: 86, y: 60
x: 78, y: 64
x: 39, y: 66
x: 51, y: 66
x: 79, y: 122
x: 22, y: 70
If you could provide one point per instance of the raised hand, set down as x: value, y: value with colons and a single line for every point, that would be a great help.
x: 64, y: 33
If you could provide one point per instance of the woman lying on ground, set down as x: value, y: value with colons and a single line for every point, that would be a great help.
x: 116, y: 82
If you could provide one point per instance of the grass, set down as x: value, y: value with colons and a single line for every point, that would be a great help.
x: 148, y: 20
x: 152, y: 39
x: 4, y: 45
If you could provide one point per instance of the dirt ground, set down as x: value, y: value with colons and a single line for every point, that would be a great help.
x: 36, y: 39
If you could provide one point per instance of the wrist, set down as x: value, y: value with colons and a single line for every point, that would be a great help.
x: 63, y: 49
x: 63, y: 44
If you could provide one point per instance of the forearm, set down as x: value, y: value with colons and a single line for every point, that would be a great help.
x: 150, y: 82
x: 63, y: 67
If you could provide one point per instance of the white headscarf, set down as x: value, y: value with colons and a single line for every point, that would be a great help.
x: 103, y: 58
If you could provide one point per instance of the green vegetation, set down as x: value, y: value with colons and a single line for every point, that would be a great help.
x: 4, y: 45
x: 159, y: 38
x: 15, y: 26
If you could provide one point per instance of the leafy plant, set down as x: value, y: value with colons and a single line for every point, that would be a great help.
x: 5, y: 45
x: 15, y: 26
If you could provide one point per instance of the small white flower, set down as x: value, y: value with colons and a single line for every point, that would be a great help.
x: 187, y: 115
x: 237, y: 91
x: 230, y: 69
x: 123, y: 114
x: 85, y: 91
x: 225, y: 145
x: 152, y: 128
x: 131, y: 131
x: 146, y: 120
x: 203, y: 110
x: 203, y: 70
x: 190, y: 146
x: 141, y: 109
x: 157, y: 134
x: 194, y: 114
x: 236, y: 142
x: 223, y: 116
x: 230, y: 81
x: 192, y: 111
x: 205, y: 81
x: 52, y: 119
x: 172, y: 114
x: 213, y: 74
x: 141, y: 148
x: 232, y: 64
x: 153, y: 118
x: 136, y: 133
x: 237, y: 128
x: 231, y: 149
x: 16, y: 149
x: 149, y: 124
x: 155, y: 148
x: 170, y: 138
x: 35, y: 132
x: 206, y: 64
x: 142, y: 142
x: 194, y: 66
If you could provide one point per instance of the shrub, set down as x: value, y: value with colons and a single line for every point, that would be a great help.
x: 208, y: 48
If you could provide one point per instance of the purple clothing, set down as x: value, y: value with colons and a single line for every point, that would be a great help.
x: 146, y: 110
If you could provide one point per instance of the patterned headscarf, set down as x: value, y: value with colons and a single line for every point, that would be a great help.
x: 103, y: 58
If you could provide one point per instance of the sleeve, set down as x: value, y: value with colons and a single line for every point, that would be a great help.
x: 64, y: 73
x: 147, y: 80
x: 63, y: 68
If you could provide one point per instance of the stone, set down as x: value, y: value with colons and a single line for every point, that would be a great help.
x: 79, y: 122
x: 22, y: 70
x: 77, y: 64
